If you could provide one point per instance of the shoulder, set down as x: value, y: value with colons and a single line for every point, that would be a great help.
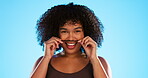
x: 106, y: 66
x: 37, y: 62
x: 40, y: 58
x: 103, y: 61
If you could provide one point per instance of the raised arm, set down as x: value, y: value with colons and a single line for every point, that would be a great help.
x: 41, y: 65
x: 101, y: 68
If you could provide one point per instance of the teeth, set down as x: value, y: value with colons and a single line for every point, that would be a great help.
x: 70, y: 44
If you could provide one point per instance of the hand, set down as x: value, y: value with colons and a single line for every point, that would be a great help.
x: 90, y: 47
x: 51, y: 45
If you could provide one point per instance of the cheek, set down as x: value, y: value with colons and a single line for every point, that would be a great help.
x: 76, y: 36
x: 63, y: 37
x: 80, y: 36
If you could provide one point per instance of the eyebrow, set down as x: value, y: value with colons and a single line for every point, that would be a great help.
x: 78, y: 28
x: 62, y: 29
x: 74, y: 28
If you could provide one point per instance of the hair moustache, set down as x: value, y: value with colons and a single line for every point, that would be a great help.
x: 70, y: 40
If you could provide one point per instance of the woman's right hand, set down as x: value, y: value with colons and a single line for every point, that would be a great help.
x: 51, y: 45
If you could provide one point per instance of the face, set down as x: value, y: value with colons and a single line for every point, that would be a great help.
x: 70, y: 34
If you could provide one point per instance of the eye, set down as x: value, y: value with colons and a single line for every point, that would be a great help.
x: 63, y: 31
x: 77, y: 31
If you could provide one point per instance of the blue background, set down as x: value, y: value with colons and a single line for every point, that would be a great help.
x: 125, y: 43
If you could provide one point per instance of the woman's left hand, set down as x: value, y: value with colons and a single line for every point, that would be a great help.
x: 90, y: 47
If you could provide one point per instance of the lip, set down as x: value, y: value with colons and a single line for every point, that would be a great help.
x: 70, y: 44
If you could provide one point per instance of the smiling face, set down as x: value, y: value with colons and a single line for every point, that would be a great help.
x: 70, y: 33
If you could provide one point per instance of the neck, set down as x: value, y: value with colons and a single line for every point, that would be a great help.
x: 73, y: 55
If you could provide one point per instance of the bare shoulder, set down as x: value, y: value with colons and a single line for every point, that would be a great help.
x: 106, y: 66
x: 103, y: 61
x: 37, y: 62
x: 39, y: 59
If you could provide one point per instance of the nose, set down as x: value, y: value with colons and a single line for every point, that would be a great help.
x: 71, y: 36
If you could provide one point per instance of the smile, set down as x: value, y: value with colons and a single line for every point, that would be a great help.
x: 70, y: 43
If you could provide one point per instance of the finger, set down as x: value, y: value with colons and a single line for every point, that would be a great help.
x: 86, y: 40
x: 53, y: 41
x: 89, y: 39
x: 83, y: 40
x: 56, y: 43
x: 58, y: 39
x: 79, y: 41
x: 83, y: 46
x: 50, y: 45
x: 53, y: 46
x: 88, y: 44
x: 55, y: 38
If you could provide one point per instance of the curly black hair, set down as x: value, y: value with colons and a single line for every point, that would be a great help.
x: 49, y: 23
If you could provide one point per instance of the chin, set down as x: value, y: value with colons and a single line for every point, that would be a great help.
x: 71, y: 51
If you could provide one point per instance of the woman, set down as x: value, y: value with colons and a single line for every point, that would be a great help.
x: 77, y: 30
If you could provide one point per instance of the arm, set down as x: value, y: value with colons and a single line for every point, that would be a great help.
x: 41, y: 66
x: 101, y: 68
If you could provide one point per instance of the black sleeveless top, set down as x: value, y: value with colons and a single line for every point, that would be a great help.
x: 86, y: 72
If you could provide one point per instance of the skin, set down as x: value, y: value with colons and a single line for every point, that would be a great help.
x: 72, y: 61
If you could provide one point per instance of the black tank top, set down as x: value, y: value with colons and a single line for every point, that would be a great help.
x: 86, y: 72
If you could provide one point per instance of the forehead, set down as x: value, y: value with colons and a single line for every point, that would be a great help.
x: 70, y: 24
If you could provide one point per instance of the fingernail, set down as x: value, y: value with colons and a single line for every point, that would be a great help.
x: 85, y: 45
x: 61, y: 41
x: 79, y: 41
